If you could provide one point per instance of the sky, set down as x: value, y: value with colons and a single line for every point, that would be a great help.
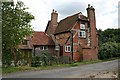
x: 106, y: 11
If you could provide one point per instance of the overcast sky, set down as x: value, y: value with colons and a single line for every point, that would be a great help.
x: 106, y: 11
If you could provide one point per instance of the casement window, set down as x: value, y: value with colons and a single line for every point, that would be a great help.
x: 82, y: 26
x: 67, y: 48
x: 43, y: 47
x: 37, y: 48
x: 82, y: 34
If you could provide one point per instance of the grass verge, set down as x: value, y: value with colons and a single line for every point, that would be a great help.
x: 55, y: 66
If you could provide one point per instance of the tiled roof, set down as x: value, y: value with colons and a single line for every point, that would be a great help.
x: 41, y: 38
x: 49, y: 22
x: 67, y: 23
x: 37, y: 38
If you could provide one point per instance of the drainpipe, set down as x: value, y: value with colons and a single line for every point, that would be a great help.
x: 71, y: 42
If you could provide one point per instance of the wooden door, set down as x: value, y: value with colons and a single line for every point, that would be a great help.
x: 61, y: 50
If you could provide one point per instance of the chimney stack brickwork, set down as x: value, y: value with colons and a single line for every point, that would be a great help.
x: 92, y: 54
x: 53, y: 23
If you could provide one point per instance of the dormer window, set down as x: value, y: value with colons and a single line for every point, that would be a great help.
x: 82, y: 26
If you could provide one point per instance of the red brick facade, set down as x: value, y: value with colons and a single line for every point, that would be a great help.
x: 83, y: 42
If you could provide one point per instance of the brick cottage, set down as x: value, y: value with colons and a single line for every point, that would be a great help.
x: 75, y: 36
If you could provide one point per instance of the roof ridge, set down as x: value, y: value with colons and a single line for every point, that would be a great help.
x: 69, y: 16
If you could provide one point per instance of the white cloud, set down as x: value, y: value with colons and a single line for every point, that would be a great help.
x: 106, y: 11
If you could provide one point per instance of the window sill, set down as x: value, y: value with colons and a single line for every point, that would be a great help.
x: 67, y: 51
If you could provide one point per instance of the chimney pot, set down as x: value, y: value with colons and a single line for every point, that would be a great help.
x: 91, y: 6
x: 53, y: 10
x: 88, y: 5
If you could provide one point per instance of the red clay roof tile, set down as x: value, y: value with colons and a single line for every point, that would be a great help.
x: 41, y: 38
x: 67, y: 23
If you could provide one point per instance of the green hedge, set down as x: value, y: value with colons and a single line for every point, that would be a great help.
x: 109, y: 50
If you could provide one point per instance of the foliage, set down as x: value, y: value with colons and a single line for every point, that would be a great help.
x: 44, y: 59
x: 109, y: 50
x: 109, y: 43
x: 47, y: 59
x: 15, y: 26
x: 109, y: 35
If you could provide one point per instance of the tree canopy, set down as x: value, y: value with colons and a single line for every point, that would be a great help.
x: 109, y: 43
x: 109, y: 35
x: 15, y: 26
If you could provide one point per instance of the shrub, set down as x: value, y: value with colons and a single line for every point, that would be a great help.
x: 47, y: 59
x: 44, y: 59
x: 35, y: 61
x: 109, y: 50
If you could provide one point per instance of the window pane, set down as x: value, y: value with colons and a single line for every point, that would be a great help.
x: 37, y: 48
x: 45, y: 47
x: 80, y: 33
x: 65, y: 48
x: 69, y: 48
x: 41, y: 47
x: 84, y: 34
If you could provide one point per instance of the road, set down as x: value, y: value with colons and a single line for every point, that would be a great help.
x: 69, y: 72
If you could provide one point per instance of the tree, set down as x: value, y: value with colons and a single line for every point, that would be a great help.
x: 15, y: 26
x: 109, y: 43
x: 109, y: 50
x: 109, y: 35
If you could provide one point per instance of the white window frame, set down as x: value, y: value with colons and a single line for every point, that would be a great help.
x: 37, y: 48
x: 46, y: 47
x: 67, y: 48
x: 43, y: 48
x: 82, y: 34
x: 82, y: 26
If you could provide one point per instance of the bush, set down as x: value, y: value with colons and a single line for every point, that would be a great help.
x: 47, y: 59
x: 35, y: 61
x: 109, y: 50
x: 44, y: 59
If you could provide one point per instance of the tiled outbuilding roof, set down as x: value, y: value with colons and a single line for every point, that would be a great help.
x: 41, y: 38
x: 37, y: 38
x: 67, y: 23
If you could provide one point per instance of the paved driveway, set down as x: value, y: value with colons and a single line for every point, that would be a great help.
x: 71, y: 72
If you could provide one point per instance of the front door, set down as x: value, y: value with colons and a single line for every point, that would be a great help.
x: 61, y: 50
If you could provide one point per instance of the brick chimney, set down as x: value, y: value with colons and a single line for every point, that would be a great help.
x: 52, y: 24
x: 93, y: 30
x: 54, y: 17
